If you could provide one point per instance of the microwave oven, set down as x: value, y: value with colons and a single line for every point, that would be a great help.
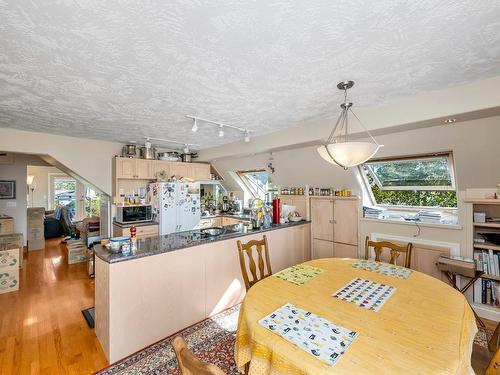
x: 134, y: 214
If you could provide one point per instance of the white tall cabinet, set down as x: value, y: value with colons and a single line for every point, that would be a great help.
x: 334, y: 227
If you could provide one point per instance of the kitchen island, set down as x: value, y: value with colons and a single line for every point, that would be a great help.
x: 171, y: 282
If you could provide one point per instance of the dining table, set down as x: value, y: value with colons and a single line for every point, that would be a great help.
x: 423, y: 327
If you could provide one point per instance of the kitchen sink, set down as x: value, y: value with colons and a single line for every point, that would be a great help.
x: 214, y: 231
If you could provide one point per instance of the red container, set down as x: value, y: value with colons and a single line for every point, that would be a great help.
x: 276, y: 211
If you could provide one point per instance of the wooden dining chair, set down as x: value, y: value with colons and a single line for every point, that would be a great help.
x: 494, y: 365
x: 246, y: 250
x: 396, y: 250
x: 189, y: 364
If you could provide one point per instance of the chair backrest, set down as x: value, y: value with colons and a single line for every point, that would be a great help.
x: 494, y: 365
x: 246, y: 250
x: 396, y: 250
x: 189, y: 364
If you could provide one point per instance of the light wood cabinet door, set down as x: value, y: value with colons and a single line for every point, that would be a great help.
x: 322, y: 249
x: 125, y: 168
x: 179, y: 169
x: 161, y: 166
x: 143, y: 169
x: 199, y: 171
x: 341, y: 250
x: 345, y: 219
x: 322, y: 219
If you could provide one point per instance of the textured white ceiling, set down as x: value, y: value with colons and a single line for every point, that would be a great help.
x: 119, y: 70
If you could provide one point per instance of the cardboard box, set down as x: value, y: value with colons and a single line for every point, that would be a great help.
x: 9, y: 280
x: 13, y: 241
x: 9, y: 259
x: 36, y: 239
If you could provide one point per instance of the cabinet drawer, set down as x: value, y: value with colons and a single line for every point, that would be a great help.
x: 147, y: 231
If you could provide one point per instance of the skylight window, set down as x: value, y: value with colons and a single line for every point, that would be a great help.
x: 417, y: 181
x: 257, y: 183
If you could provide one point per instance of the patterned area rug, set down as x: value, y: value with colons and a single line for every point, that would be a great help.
x: 211, y: 340
x: 482, y: 337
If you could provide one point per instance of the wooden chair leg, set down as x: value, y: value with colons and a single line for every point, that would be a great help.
x: 493, y: 342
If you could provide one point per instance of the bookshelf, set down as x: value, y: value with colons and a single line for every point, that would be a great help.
x: 486, y: 290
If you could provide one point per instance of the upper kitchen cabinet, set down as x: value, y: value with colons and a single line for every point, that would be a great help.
x: 133, y: 168
x: 160, y: 166
x: 200, y: 171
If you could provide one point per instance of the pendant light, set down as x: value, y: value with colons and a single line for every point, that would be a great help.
x: 338, y: 150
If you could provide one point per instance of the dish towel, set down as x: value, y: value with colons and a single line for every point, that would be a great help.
x: 299, y: 274
x: 365, y: 293
x: 310, y: 332
x: 383, y: 268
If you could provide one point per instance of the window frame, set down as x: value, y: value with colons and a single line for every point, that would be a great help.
x: 244, y: 180
x: 433, y: 155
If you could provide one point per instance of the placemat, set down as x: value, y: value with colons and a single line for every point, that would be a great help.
x: 310, y: 332
x: 299, y: 274
x: 383, y: 268
x: 365, y: 293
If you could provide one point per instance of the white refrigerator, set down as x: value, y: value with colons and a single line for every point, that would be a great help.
x: 176, y: 205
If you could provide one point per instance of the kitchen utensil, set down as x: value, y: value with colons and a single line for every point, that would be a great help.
x: 129, y: 151
x: 188, y: 158
x: 169, y: 156
x: 147, y: 153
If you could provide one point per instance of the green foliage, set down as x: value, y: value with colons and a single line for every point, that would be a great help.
x: 93, y: 206
x: 425, y: 198
x: 417, y: 172
x: 424, y: 175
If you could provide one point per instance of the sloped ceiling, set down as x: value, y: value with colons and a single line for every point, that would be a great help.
x: 121, y: 70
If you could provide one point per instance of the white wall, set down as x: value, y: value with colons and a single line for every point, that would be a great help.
x: 40, y: 196
x: 89, y: 159
x: 17, y: 207
x: 474, y: 145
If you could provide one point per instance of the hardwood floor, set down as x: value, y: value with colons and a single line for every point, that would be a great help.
x: 42, y: 329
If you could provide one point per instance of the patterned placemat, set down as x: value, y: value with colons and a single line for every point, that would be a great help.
x: 365, y: 293
x: 383, y: 268
x: 299, y: 274
x: 310, y: 332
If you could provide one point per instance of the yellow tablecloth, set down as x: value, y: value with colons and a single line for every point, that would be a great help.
x: 426, y: 327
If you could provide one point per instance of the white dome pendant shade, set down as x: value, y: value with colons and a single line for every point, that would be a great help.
x: 338, y: 150
x: 348, y: 154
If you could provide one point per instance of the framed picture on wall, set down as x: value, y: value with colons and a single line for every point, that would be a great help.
x: 7, y: 189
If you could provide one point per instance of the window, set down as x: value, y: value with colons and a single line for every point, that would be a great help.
x: 418, y: 181
x: 92, y: 206
x: 64, y: 193
x: 257, y: 182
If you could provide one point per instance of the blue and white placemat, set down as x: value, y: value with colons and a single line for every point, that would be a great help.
x: 310, y: 332
x: 365, y: 293
x: 383, y: 268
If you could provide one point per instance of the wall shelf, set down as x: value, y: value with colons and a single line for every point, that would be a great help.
x: 486, y: 246
x: 487, y: 225
x: 482, y: 201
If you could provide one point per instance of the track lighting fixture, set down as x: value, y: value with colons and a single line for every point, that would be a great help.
x: 221, y: 132
x: 194, y: 129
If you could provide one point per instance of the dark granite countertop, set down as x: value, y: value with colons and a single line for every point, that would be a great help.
x: 141, y: 224
x: 175, y: 241
x: 235, y: 216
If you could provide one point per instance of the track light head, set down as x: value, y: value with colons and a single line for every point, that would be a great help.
x: 194, y: 129
x: 221, y: 131
x: 247, y: 136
